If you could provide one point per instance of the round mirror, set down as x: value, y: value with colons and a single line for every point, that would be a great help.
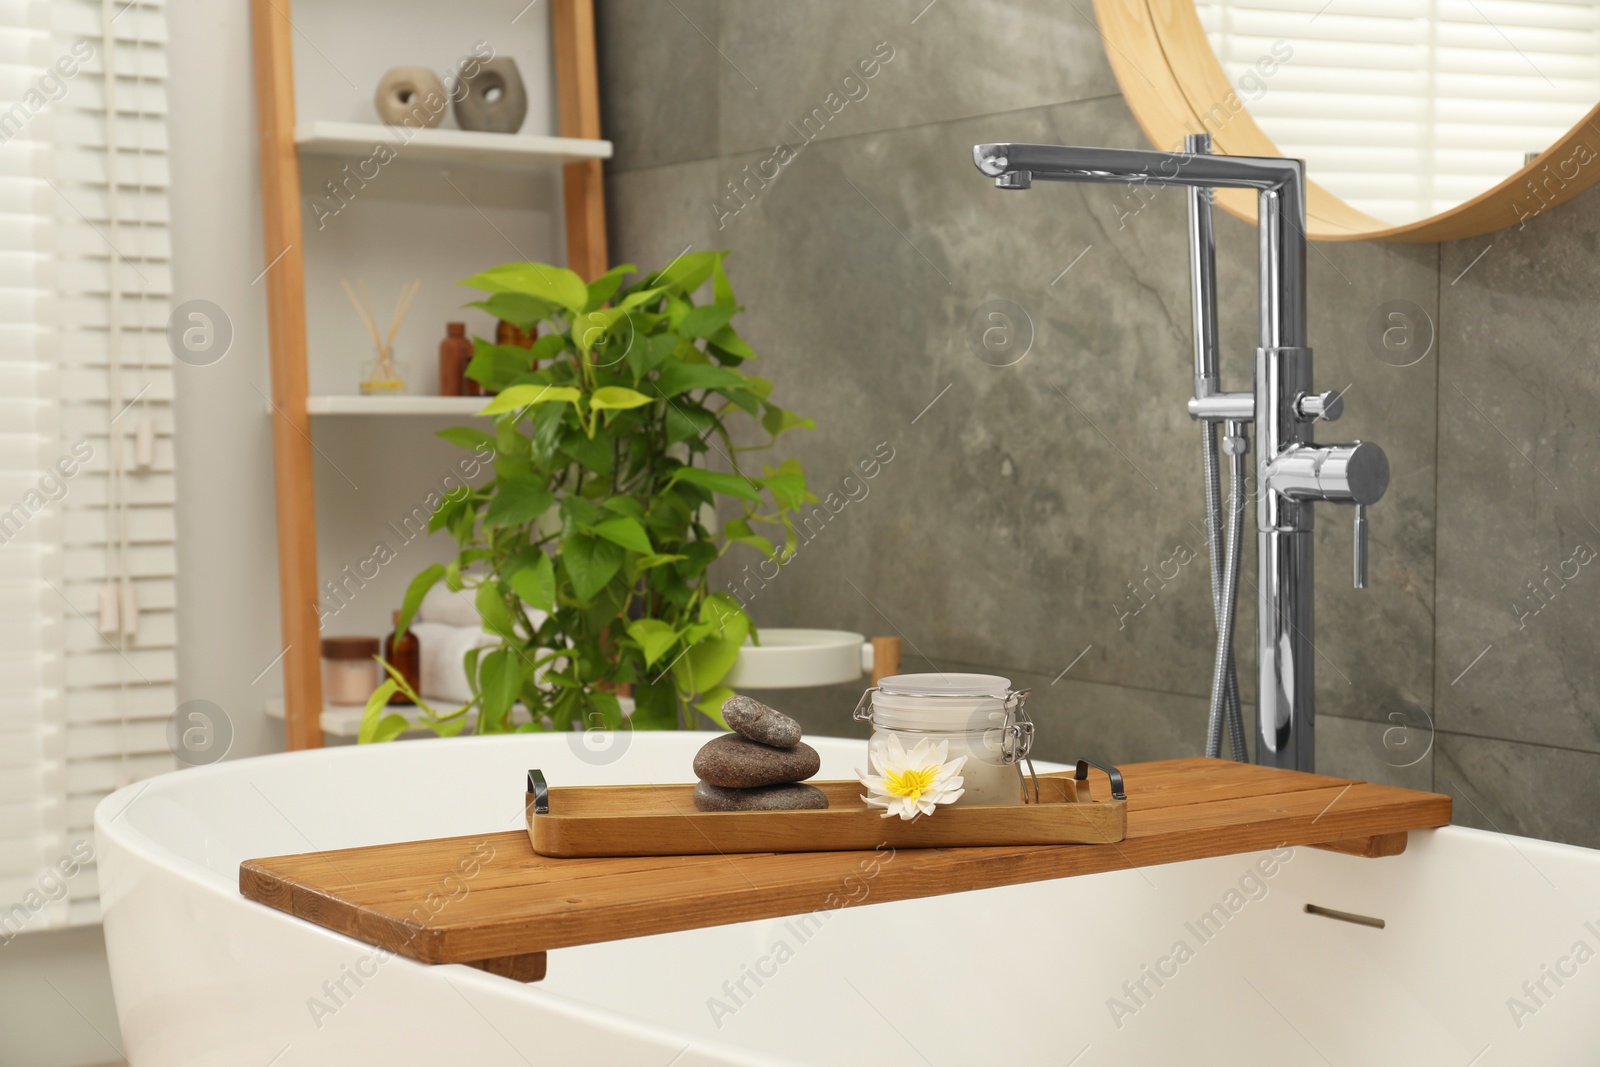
x: 1419, y: 120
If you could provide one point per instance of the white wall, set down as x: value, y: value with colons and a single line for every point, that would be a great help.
x: 402, y: 227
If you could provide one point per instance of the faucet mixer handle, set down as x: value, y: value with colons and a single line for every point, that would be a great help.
x: 1360, y: 557
x: 1310, y: 407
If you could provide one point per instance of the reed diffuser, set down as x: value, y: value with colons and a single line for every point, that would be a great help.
x: 382, y: 376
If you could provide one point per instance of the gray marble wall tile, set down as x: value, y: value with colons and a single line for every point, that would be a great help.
x: 1519, y: 585
x: 1032, y: 516
x: 785, y: 63
x: 658, y: 69
x: 655, y: 215
x: 1529, y: 790
x: 1390, y: 753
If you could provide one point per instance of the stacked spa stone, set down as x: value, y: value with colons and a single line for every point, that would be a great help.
x: 760, y: 766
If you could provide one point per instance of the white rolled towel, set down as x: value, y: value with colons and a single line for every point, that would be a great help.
x: 443, y: 647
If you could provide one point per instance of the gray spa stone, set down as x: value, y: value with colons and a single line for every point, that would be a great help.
x: 736, y: 762
x: 753, y: 719
x: 495, y: 100
x: 790, y: 797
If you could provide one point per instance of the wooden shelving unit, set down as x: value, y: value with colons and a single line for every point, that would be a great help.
x: 578, y: 151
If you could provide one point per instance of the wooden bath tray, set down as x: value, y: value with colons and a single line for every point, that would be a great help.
x: 490, y: 901
x: 661, y: 820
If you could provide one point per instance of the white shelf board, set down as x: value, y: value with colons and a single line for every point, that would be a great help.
x: 324, y: 138
x: 344, y: 720
x: 353, y: 404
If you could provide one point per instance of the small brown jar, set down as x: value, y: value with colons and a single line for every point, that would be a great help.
x: 349, y: 671
x: 405, y: 656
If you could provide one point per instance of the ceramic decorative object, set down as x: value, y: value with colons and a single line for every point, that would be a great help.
x: 410, y: 96
x: 494, y: 100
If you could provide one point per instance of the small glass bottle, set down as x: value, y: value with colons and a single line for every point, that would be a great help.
x: 978, y: 716
x: 455, y: 352
x: 405, y: 656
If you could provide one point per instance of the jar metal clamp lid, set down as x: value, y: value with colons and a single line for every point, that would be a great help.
x: 966, y: 697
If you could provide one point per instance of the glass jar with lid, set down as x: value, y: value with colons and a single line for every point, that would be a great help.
x: 979, y: 716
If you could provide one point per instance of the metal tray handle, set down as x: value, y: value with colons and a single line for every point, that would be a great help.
x: 1082, y: 775
x: 539, y: 791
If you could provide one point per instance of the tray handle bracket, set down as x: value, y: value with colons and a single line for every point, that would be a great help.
x: 539, y: 791
x: 1082, y: 774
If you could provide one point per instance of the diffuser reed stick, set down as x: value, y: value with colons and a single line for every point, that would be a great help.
x: 384, y: 374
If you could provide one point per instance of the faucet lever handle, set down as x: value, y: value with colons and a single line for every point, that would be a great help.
x: 1360, y: 560
x: 1309, y: 407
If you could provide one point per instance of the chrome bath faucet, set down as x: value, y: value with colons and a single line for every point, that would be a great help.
x: 1293, y: 472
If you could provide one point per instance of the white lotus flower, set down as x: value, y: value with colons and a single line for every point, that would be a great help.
x: 912, y: 783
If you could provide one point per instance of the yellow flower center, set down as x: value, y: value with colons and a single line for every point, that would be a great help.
x: 910, y: 784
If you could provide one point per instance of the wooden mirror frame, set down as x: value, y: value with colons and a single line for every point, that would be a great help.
x: 1175, y: 85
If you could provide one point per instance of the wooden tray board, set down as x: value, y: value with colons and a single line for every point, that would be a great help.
x: 661, y: 820
x: 517, y: 904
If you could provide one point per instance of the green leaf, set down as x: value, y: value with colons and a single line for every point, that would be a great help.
x: 590, y: 562
x: 520, y: 396
x: 376, y: 727
x: 554, y: 285
x: 616, y: 398
x: 787, y: 483
x: 655, y: 705
x: 710, y: 705
x: 648, y: 353
x: 648, y: 562
x: 590, y: 328
x: 707, y: 319
x: 721, y: 290
x: 681, y: 377
x: 738, y: 531
x: 704, y: 665
x: 655, y: 638
x: 424, y: 581
x: 518, y: 500
x: 778, y: 421
x: 605, y: 287
x: 593, y: 452
x: 687, y: 421
x: 627, y: 533
x: 467, y: 437
x: 492, y: 608
x: 536, y: 584
x: 519, y: 309
x: 688, y: 272
x: 732, y: 343
x: 640, y: 298
x: 499, y: 681
x: 736, y: 485
x: 496, y: 367
x: 624, y: 505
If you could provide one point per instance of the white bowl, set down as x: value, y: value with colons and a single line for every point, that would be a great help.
x: 795, y: 659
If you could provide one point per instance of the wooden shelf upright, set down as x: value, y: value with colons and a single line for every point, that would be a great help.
x: 578, y: 95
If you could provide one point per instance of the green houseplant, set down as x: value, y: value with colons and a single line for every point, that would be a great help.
x: 586, y: 553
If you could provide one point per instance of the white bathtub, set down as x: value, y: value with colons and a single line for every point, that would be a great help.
x: 1049, y: 973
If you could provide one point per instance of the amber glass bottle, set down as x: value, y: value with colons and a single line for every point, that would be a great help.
x: 455, y: 352
x: 405, y: 656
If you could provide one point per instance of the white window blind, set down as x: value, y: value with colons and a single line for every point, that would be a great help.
x: 1405, y: 108
x: 87, y: 560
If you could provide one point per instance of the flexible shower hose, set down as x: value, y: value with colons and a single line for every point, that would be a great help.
x: 1225, y: 707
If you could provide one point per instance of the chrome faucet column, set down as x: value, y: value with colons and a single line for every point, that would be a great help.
x: 1293, y: 472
